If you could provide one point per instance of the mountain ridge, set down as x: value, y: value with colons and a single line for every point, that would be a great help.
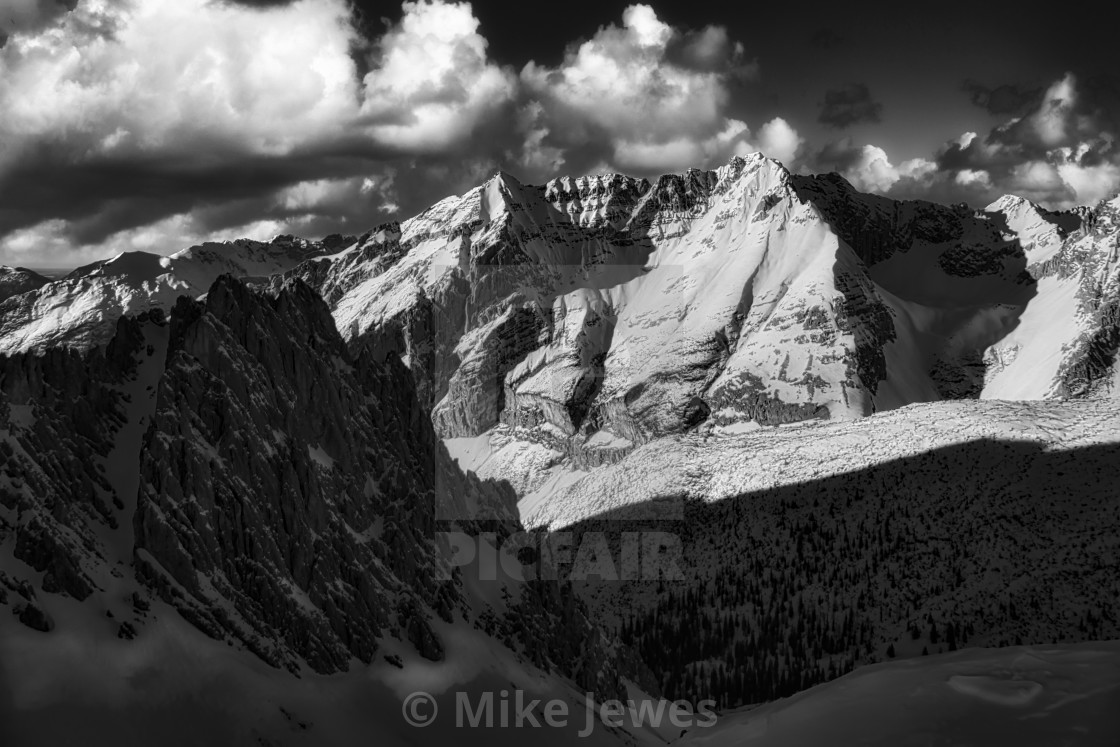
x: 587, y: 315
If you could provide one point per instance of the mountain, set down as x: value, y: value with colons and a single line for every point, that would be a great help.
x: 867, y: 428
x: 604, y: 311
x: 81, y: 309
x: 621, y: 352
x: 233, y: 466
x: 1054, y: 337
x: 555, y: 328
x: 16, y: 280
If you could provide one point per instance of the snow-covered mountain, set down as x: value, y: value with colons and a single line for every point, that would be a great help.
x: 81, y: 309
x: 1050, y: 332
x: 16, y: 280
x: 877, y: 427
x: 568, y: 323
x: 611, y: 310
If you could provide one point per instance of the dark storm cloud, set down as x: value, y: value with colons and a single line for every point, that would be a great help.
x: 838, y: 156
x: 259, y: 3
x: 98, y: 198
x: 710, y: 50
x: 1009, y: 98
x: 1059, y: 150
x: 25, y: 16
x: 852, y: 104
x: 1072, y: 117
x: 103, y: 196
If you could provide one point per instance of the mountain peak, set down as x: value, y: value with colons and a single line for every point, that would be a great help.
x: 17, y: 280
x: 1010, y: 203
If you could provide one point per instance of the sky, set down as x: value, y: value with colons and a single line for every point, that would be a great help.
x: 158, y: 124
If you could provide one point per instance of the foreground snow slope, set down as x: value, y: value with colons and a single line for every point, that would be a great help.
x: 1032, y: 696
x: 808, y: 550
x: 174, y: 686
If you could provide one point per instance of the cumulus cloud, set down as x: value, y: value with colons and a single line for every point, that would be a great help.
x: 1060, y: 152
x: 130, y: 76
x: 124, y: 112
x: 118, y: 115
x: 869, y: 168
x: 849, y: 105
x: 432, y: 83
x: 642, y: 96
x: 777, y: 139
x: 154, y: 124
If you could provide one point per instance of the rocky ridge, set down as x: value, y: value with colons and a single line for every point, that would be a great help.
x: 234, y: 463
x: 81, y: 309
x: 17, y: 280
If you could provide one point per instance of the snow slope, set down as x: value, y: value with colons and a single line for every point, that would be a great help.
x: 713, y: 464
x: 174, y: 686
x: 1033, y: 696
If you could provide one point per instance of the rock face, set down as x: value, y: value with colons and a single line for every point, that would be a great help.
x: 570, y: 322
x: 81, y: 309
x: 610, y: 309
x: 238, y: 464
x: 1084, y: 274
x: 16, y: 280
x: 258, y: 409
x: 1020, y: 301
x: 577, y: 319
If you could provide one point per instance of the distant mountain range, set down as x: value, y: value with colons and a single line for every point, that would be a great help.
x: 877, y: 428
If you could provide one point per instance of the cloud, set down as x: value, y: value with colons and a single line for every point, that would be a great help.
x: 30, y: 15
x: 1008, y: 98
x: 432, y: 83
x: 1060, y: 152
x: 642, y: 96
x: 778, y: 140
x: 122, y: 114
x: 159, y: 123
x: 869, y: 168
x: 849, y: 105
x: 710, y: 50
x: 178, y: 75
